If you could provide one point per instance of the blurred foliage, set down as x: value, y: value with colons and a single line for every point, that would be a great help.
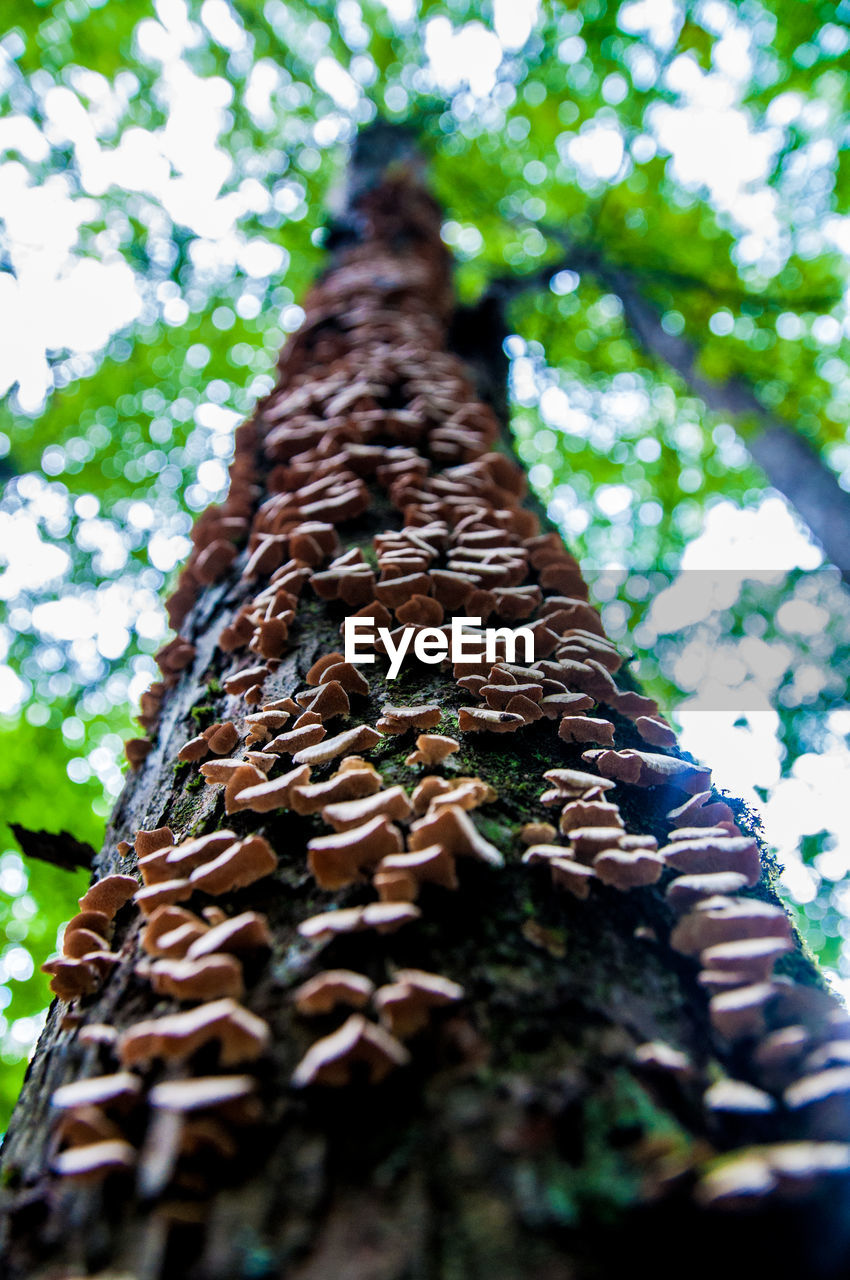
x: 167, y: 169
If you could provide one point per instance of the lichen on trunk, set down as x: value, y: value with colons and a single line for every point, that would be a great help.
x: 508, y: 1076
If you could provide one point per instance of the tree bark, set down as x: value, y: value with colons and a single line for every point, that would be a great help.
x: 551, y: 1121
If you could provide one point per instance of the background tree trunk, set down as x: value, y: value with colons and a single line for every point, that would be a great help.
x: 529, y: 1135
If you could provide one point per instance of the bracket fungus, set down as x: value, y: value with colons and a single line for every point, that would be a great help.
x: 357, y: 1044
x: 432, y: 748
x: 205, y: 978
x: 240, y: 1035
x: 333, y: 987
x: 361, y: 737
x: 109, y: 894
x: 456, y: 832
x: 392, y: 803
x: 384, y: 917
x: 404, y: 1005
x: 96, y: 1160
x: 338, y: 860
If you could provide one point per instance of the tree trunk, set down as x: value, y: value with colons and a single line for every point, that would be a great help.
x: 550, y: 1119
x: 789, y: 461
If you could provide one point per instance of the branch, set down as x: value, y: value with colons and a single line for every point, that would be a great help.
x: 790, y: 463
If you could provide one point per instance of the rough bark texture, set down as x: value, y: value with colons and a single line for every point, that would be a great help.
x: 531, y: 1132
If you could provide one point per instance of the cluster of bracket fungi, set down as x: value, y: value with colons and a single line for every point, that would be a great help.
x: 369, y: 402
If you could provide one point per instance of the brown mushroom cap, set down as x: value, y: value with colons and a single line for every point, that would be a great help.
x: 95, y: 1161
x: 430, y: 786
x: 333, y: 987
x: 432, y: 865
x: 392, y: 803
x: 119, y: 1090
x: 537, y: 833
x: 337, y: 860
x: 205, y: 978
x: 717, y: 920
x: 246, y: 932
x: 626, y: 870
x: 404, y: 1004
x: 80, y: 942
x: 149, y: 841
x: 361, y: 737
x: 455, y: 830
x: 656, y: 1055
x: 201, y: 1093
x: 241, y: 1036
x: 170, y: 930
x: 109, y: 894
x: 330, y: 1060
x: 165, y: 893
x: 464, y: 793
x: 384, y: 917
x: 715, y: 853
x: 686, y: 891
x: 484, y: 719
x: 432, y: 748
x: 71, y: 977
x: 737, y: 1097
x: 740, y: 1013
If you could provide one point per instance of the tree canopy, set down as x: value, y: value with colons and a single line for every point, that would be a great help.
x: 166, y: 177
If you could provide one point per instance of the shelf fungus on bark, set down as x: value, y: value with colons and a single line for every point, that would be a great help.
x: 271, y: 794
x: 109, y: 894
x: 383, y: 917
x: 432, y: 748
x: 327, y: 702
x: 248, y: 931
x: 240, y: 865
x: 183, y: 858
x: 464, y: 793
x: 205, y: 978
x: 708, y: 854
x: 239, y: 1034
x: 400, y: 719
x: 307, y: 731
x: 358, y: 1046
x: 566, y: 872
x: 658, y: 1056
x: 361, y: 737
x: 647, y: 769
x: 701, y: 810
x: 137, y: 750
x: 95, y: 1161
x: 241, y: 681
x: 393, y: 803
x: 717, y: 920
x: 399, y: 875
x: 338, y: 860
x: 170, y: 931
x: 452, y: 828
x: 354, y: 779
x: 331, y: 988
x: 486, y: 720
x: 537, y: 833
x: 586, y: 729
x: 688, y: 890
x: 589, y: 813
x: 404, y: 1005
x: 573, y: 784
x: 117, y: 1092
x: 71, y: 976
x: 739, y: 1014
x: 783, y: 1170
